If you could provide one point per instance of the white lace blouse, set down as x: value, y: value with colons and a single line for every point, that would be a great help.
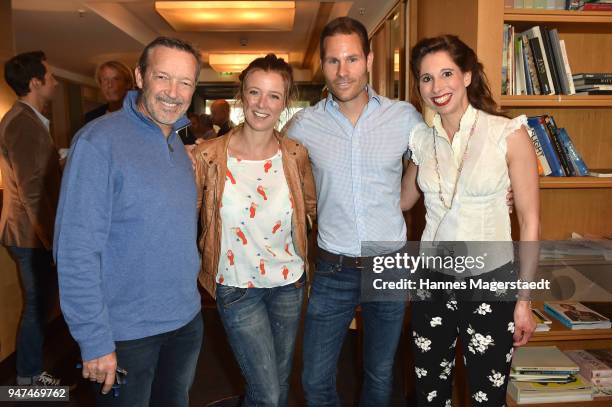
x: 479, y: 211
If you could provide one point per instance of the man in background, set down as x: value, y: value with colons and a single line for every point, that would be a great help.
x: 220, y: 112
x: 29, y: 163
x: 115, y: 80
x: 125, y: 240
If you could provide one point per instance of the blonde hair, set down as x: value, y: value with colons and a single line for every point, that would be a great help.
x: 119, y: 67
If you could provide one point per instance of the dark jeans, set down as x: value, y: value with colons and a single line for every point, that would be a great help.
x: 261, y: 326
x: 35, y: 268
x: 160, y: 368
x: 333, y: 298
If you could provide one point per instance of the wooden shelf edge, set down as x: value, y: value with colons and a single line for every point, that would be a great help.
x: 574, y: 182
x: 560, y: 16
x: 556, y: 101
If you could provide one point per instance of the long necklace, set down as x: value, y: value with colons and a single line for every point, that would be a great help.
x: 467, y: 144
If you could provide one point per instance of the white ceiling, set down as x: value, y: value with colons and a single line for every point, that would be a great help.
x: 77, y: 35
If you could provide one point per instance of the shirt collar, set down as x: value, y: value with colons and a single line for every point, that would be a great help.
x: 42, y: 118
x: 464, y: 124
x: 372, y: 95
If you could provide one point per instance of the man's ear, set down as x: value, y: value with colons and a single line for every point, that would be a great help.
x: 34, y: 84
x: 138, y: 77
x: 370, y: 61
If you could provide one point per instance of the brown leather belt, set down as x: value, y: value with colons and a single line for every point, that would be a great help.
x: 345, y: 261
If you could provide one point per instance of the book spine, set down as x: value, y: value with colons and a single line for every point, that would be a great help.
x: 552, y: 132
x: 593, y: 81
x: 553, y: 36
x: 540, y: 67
x: 602, y: 380
x: 572, y: 153
x: 531, y: 69
x: 521, y: 86
x: 547, y: 148
x: 570, y: 79
x: 538, y: 34
x: 505, y: 90
x: 599, y: 75
x: 557, y: 315
x: 552, y: 67
x: 525, y: 61
x: 543, y: 167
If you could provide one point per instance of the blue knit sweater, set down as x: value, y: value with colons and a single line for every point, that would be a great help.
x: 125, y: 232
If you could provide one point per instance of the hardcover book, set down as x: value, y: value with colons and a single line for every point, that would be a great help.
x: 574, y: 315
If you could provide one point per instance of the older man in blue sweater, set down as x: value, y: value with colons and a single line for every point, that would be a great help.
x: 125, y: 238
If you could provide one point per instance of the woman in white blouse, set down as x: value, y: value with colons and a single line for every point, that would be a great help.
x: 466, y: 162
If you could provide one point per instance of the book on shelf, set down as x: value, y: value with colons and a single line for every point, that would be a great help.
x: 600, y: 172
x: 579, y: 389
x: 536, y: 42
x: 598, y: 6
x: 575, y: 315
x: 568, y: 70
x: 556, y: 153
x: 545, y: 374
x: 582, y: 5
x: 535, y: 62
x: 593, y: 364
x: 542, y: 321
x: 543, y: 360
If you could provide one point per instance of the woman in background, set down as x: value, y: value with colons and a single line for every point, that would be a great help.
x: 257, y: 199
x: 466, y: 163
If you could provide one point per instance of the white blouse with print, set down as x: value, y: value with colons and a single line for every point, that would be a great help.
x: 256, y: 209
x: 479, y: 211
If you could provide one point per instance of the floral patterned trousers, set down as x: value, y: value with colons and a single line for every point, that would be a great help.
x: 485, y: 330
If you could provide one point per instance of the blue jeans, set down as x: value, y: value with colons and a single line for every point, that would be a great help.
x: 35, y: 268
x: 160, y: 368
x: 261, y: 326
x: 334, y: 295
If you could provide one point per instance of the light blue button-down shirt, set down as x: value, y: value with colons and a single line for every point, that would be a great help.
x: 357, y: 170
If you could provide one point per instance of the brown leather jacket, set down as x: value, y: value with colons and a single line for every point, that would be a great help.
x: 30, y: 168
x: 210, y: 168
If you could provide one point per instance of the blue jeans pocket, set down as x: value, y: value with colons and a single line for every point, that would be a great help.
x: 325, y: 267
x: 228, y: 295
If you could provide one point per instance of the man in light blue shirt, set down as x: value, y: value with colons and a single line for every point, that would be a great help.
x: 356, y: 140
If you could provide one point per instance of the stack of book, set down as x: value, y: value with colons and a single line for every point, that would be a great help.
x: 535, y: 62
x: 542, y: 322
x: 575, y: 315
x: 557, y: 155
x: 593, y: 83
x: 543, y: 374
x: 596, y: 366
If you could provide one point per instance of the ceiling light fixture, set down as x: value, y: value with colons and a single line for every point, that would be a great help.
x: 236, y: 62
x: 228, y: 15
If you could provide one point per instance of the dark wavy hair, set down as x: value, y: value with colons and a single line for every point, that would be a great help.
x: 271, y: 63
x: 478, y: 92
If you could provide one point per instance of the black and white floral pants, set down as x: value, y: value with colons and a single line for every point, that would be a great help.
x: 485, y: 328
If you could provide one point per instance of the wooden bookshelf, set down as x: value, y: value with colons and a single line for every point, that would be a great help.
x: 556, y: 101
x: 557, y: 16
x: 574, y: 182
